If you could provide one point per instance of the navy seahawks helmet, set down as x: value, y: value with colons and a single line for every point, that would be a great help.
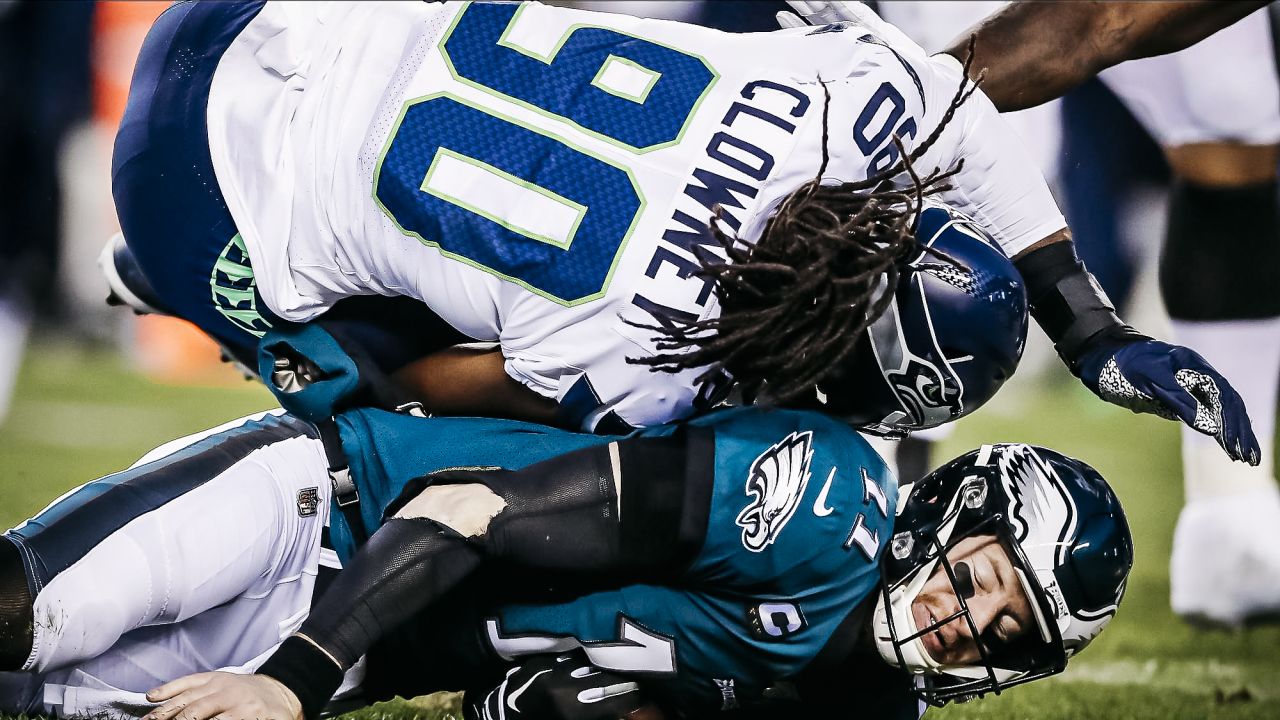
x: 1068, y: 540
x: 951, y: 336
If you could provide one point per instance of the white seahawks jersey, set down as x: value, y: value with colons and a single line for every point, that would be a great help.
x: 541, y: 176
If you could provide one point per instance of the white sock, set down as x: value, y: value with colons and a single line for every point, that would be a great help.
x: 1247, y: 353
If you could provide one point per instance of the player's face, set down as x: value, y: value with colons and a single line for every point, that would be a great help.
x: 997, y: 602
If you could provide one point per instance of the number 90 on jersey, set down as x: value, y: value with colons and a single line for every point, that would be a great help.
x: 516, y: 200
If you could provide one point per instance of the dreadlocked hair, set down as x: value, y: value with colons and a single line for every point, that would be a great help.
x: 793, y: 306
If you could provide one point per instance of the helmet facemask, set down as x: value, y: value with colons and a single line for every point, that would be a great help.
x: 1014, y: 497
x: 1035, y: 653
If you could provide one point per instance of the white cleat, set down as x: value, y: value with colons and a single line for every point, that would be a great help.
x: 126, y: 284
x: 1225, y: 569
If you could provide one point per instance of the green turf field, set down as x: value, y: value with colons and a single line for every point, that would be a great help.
x: 81, y: 414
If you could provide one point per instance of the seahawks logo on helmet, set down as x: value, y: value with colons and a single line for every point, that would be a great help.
x: 235, y: 289
x: 777, y: 481
x: 930, y: 393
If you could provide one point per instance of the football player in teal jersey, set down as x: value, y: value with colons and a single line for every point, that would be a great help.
x: 747, y: 557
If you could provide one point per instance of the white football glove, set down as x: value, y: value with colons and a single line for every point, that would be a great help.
x: 818, y: 12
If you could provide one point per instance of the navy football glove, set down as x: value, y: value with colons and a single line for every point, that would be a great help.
x: 1174, y: 382
x: 563, y: 687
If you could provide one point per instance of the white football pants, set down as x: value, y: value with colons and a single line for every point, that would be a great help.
x: 202, y: 556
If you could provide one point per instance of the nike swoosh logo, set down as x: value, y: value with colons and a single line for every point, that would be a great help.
x: 820, y: 507
x: 513, y: 697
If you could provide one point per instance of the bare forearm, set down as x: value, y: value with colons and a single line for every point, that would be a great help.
x: 464, y: 381
x: 1034, y: 52
x: 1147, y: 29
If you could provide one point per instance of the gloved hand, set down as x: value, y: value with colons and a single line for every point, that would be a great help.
x: 818, y: 12
x: 1174, y: 382
x: 556, y: 687
x: 316, y: 371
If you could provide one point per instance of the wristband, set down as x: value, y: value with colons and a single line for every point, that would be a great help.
x: 307, y: 671
x: 1067, y: 302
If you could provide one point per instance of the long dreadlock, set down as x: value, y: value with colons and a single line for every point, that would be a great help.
x: 794, y: 305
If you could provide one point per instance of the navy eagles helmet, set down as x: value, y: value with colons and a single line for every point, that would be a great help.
x: 1067, y: 539
x: 951, y: 336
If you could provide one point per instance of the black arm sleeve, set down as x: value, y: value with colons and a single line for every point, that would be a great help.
x: 562, y: 515
x: 405, y: 566
x: 1067, y: 302
x: 567, y: 514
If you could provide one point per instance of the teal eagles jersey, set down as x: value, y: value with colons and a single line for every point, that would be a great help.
x: 801, y: 508
x: 387, y: 450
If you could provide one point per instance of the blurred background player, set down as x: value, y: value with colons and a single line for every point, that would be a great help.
x: 1215, y: 110
x: 44, y: 92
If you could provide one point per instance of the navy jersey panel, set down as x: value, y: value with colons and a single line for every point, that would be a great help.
x: 386, y: 450
x: 173, y: 215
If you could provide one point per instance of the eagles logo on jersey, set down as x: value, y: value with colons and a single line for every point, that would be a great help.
x: 777, y: 479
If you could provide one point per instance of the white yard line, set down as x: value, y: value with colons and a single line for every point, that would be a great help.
x: 1195, y: 676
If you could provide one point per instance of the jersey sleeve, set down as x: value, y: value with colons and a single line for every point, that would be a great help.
x: 999, y: 184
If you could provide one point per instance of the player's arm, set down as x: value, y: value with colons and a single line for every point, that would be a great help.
x: 321, y: 368
x: 1120, y: 364
x: 998, y: 185
x: 472, y: 381
x: 1033, y: 52
x: 634, y: 509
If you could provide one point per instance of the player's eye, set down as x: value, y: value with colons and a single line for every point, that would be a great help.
x: 998, y: 634
x: 1008, y: 629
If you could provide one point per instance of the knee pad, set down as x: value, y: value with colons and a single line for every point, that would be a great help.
x: 15, y: 609
x: 1221, y: 258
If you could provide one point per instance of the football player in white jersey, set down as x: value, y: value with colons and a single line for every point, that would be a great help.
x: 544, y: 178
